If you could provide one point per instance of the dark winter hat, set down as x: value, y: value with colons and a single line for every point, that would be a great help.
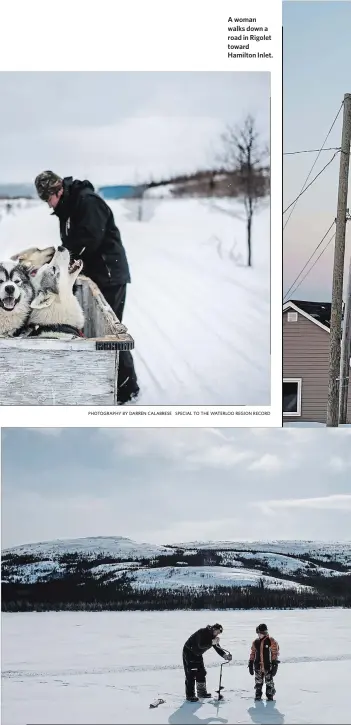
x: 46, y: 184
x: 218, y: 626
x: 262, y: 629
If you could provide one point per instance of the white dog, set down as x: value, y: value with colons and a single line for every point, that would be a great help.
x: 16, y: 295
x: 56, y: 312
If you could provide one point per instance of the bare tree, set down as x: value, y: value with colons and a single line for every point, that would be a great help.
x: 246, y: 158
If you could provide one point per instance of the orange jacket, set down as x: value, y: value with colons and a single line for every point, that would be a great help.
x: 263, y: 652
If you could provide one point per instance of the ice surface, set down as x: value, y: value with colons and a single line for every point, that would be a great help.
x: 87, y: 668
x: 200, y: 320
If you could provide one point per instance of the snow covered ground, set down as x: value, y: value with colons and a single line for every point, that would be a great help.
x: 206, y: 576
x: 200, y: 319
x: 79, y: 667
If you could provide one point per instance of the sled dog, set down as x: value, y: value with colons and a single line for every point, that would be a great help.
x: 56, y: 312
x: 16, y: 296
x: 34, y: 258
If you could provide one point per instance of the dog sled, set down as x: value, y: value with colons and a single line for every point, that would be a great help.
x: 80, y: 371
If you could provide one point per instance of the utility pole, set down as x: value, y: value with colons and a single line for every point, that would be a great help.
x: 338, y: 271
x: 345, y: 352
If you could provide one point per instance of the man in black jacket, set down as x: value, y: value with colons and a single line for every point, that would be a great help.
x: 89, y: 232
x: 193, y: 661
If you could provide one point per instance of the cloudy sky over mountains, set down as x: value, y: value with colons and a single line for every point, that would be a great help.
x: 169, y: 485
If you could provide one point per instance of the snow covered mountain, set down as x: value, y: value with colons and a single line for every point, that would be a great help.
x: 322, y: 550
x: 114, y: 546
x: 190, y: 566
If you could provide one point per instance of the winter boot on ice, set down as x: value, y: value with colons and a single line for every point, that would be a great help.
x: 270, y: 691
x: 258, y: 693
x: 270, y: 694
x: 190, y: 691
x: 201, y: 690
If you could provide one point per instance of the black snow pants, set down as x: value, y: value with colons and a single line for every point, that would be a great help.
x: 260, y: 678
x: 127, y: 384
x: 194, y: 669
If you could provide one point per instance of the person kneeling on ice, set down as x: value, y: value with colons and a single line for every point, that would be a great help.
x: 263, y: 662
x: 193, y: 662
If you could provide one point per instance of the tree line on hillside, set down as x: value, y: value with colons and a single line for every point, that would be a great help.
x: 197, y: 557
x: 86, y: 593
x: 76, y: 580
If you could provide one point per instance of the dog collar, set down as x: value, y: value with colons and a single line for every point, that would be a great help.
x: 36, y: 330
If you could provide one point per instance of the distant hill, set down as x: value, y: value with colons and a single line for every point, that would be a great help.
x: 16, y: 191
x: 118, y: 573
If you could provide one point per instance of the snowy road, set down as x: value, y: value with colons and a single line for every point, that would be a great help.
x: 106, y: 667
x: 200, y: 320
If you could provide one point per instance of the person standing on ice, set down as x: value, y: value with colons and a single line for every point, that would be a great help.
x: 89, y: 232
x: 193, y: 661
x: 263, y: 662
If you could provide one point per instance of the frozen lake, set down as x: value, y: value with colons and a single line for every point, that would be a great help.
x: 70, y: 668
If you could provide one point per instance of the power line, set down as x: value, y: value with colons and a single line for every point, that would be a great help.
x: 308, y: 261
x: 313, y: 165
x: 310, y: 151
x: 307, y: 187
x: 315, y: 262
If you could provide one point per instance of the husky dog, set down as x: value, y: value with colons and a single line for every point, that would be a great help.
x: 34, y: 258
x: 16, y: 295
x: 56, y: 312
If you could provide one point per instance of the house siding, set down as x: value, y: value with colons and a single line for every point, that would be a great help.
x: 306, y: 356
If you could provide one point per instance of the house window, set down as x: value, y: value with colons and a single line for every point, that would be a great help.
x: 292, y: 396
x: 292, y: 316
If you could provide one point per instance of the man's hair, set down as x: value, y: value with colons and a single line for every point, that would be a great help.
x: 47, y: 183
x: 218, y: 626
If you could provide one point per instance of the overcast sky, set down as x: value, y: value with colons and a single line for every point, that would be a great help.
x: 173, y: 485
x: 121, y: 127
x: 316, y: 77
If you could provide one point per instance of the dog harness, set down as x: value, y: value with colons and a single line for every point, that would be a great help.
x: 37, y: 330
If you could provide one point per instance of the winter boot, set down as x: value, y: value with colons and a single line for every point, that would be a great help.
x: 190, y: 691
x: 270, y: 692
x: 258, y: 694
x: 201, y: 690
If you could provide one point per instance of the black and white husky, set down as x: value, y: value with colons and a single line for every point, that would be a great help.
x: 55, y: 311
x: 16, y: 296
